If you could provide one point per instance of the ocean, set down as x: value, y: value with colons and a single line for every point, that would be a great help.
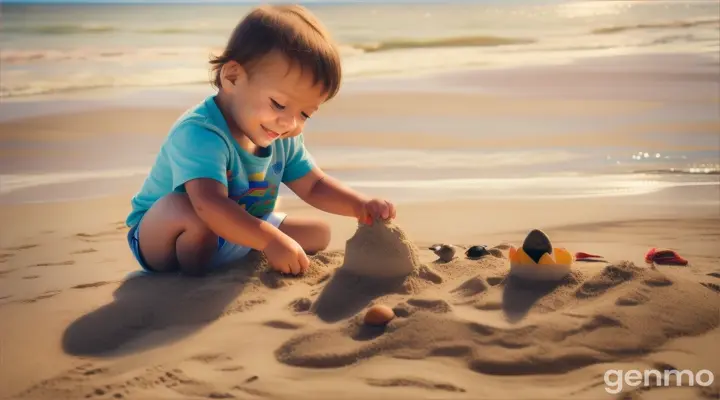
x: 73, y: 47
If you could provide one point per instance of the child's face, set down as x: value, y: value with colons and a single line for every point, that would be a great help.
x: 273, y: 101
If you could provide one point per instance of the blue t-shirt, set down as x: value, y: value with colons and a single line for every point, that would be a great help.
x: 200, y: 145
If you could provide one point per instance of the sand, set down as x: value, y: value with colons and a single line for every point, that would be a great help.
x: 464, y: 329
x: 77, y: 320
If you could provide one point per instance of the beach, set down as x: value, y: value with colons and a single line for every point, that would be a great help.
x: 610, y: 154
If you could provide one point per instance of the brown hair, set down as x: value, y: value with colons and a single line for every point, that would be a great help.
x: 294, y: 32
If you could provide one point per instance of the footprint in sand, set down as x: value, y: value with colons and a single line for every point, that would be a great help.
x: 31, y: 277
x: 43, y: 296
x: 414, y: 382
x: 99, y: 236
x: 279, y: 324
x: 611, y: 276
x: 91, y: 285
x: 79, y: 383
x: 490, y: 306
x: 712, y: 286
x: 411, y: 306
x: 632, y: 299
x: 22, y: 247
x: 714, y: 274
x: 432, y: 305
x: 84, y: 251
x: 242, y: 305
x: 209, y: 358
x: 471, y: 287
x: 495, y: 280
x: 52, y: 264
x: 5, y: 256
x: 300, y: 305
x: 6, y: 271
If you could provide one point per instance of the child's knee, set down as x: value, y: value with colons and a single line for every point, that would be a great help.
x: 321, y: 236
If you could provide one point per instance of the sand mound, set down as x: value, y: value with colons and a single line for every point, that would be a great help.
x: 519, y: 327
x: 379, y: 260
x: 380, y: 250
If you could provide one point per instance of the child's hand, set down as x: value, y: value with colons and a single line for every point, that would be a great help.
x: 286, y: 255
x: 376, y: 209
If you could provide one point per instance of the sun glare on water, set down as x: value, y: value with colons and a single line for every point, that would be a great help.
x: 592, y: 9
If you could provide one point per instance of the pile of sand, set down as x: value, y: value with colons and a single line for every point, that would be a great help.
x: 380, y: 250
x: 514, y: 327
x: 379, y: 260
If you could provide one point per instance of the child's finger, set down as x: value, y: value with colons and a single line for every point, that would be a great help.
x: 386, y: 210
x: 285, y: 269
x: 304, y: 262
x: 295, y: 267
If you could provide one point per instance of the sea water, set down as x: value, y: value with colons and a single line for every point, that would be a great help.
x: 56, y: 48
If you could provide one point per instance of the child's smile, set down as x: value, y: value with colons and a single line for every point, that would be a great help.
x: 271, y: 134
x: 269, y: 100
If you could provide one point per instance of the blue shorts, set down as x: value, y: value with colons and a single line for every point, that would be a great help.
x: 226, y: 251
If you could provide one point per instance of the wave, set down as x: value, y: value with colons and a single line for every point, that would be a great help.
x: 657, y: 25
x: 60, y: 29
x: 548, y: 187
x: 70, y: 29
x: 182, y: 31
x: 11, y: 183
x: 461, y: 41
x: 20, y: 56
x: 78, y: 86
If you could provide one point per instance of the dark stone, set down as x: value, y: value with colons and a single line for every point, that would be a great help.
x: 536, y: 244
x: 477, y: 251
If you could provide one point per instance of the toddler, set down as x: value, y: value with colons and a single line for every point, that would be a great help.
x: 209, y: 198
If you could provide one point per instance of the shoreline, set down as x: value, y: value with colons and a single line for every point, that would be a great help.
x: 496, y: 129
x: 450, y: 82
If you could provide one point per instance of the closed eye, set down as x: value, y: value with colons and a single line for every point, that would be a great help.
x: 277, y: 105
x: 305, y: 115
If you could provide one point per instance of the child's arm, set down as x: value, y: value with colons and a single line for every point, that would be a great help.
x: 330, y: 195
x: 198, y: 159
x: 223, y: 216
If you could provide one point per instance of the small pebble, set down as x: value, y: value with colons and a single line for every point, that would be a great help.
x: 446, y: 252
x: 379, y: 315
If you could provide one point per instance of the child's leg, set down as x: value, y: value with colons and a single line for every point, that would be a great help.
x: 173, y: 236
x: 312, y: 234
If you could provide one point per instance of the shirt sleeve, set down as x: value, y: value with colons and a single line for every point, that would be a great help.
x: 298, y: 161
x: 193, y: 152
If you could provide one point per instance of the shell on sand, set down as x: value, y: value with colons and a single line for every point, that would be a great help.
x: 380, y: 250
x: 446, y: 252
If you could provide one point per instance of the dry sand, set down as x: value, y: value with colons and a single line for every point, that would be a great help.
x: 76, y: 326
x: 77, y: 323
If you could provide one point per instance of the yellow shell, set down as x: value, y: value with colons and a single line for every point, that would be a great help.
x: 559, y: 256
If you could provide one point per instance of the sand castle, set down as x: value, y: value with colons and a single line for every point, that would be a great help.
x: 381, y: 250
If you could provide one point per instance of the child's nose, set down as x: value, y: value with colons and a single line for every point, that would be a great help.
x: 287, y: 122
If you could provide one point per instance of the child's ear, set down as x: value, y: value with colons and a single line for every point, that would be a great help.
x: 232, y: 74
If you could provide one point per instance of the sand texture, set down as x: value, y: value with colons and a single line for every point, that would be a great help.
x: 463, y: 329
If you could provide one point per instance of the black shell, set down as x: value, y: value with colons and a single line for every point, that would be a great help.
x: 536, y: 244
x: 477, y: 251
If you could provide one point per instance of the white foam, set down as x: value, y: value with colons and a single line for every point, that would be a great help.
x: 13, y: 182
x: 566, y: 186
